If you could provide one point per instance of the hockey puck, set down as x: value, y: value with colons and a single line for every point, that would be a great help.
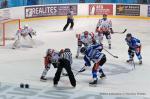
x: 21, y: 85
x: 26, y: 85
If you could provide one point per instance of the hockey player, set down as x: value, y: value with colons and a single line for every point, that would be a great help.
x: 93, y: 53
x: 70, y: 19
x: 51, y: 57
x: 104, y: 27
x: 24, y: 33
x: 134, y: 47
x: 84, y: 39
x: 65, y: 62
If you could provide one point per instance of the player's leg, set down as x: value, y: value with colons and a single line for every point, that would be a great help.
x: 67, y: 24
x: 101, y: 63
x: 138, y: 54
x: 108, y: 37
x: 67, y: 66
x: 44, y: 73
x: 16, y: 44
x: 47, y: 65
x: 72, y: 24
x: 94, y: 74
x: 100, y: 38
x: 79, y: 48
x: 58, y: 72
x: 131, y: 54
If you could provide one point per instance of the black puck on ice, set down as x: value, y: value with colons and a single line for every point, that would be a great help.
x: 21, y: 85
x: 26, y: 85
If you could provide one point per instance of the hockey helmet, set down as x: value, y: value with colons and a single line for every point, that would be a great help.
x: 67, y: 50
x: 82, y: 50
x: 104, y: 16
x: 129, y: 35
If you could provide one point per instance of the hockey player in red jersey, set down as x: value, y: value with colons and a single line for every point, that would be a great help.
x: 51, y: 57
x: 84, y: 39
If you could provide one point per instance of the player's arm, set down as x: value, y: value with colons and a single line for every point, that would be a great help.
x: 110, y: 25
x: 97, y: 46
x: 87, y: 61
x: 136, y: 43
x: 98, y: 25
x: 87, y: 64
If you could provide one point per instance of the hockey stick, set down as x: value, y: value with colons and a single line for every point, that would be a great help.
x: 121, y: 32
x: 80, y: 71
x: 111, y: 54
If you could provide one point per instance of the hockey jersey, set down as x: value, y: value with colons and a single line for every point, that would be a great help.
x: 67, y: 55
x: 93, y: 54
x: 104, y: 25
x: 133, y: 43
x: 85, y: 40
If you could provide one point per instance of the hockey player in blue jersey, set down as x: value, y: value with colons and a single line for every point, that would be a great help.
x: 93, y: 53
x: 134, y: 47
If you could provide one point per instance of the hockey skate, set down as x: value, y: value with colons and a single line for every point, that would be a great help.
x: 140, y: 62
x: 93, y: 83
x: 43, y: 79
x: 130, y: 60
x: 102, y: 76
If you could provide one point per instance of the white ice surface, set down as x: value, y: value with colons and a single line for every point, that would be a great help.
x: 26, y: 64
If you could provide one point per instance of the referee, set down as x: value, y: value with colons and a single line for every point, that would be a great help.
x: 65, y: 62
x: 70, y: 19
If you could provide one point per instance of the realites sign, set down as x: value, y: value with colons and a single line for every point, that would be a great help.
x: 128, y: 10
x: 99, y: 9
x: 44, y: 11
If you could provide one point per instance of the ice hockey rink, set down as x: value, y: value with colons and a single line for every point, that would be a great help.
x: 25, y: 65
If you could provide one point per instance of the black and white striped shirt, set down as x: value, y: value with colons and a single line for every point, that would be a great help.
x: 67, y: 55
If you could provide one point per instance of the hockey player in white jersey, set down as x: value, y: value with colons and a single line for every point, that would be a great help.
x: 51, y: 57
x: 84, y: 39
x: 25, y: 33
x: 104, y: 27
